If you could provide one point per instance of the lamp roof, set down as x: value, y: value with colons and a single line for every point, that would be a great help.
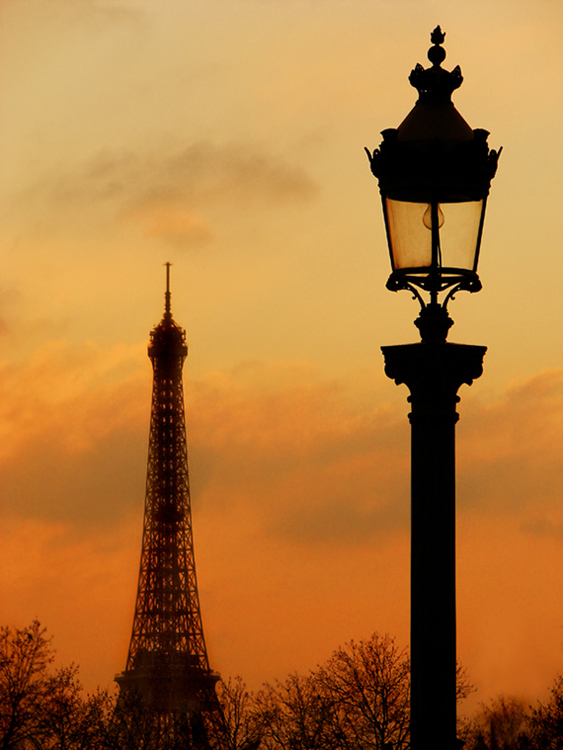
x: 434, y: 115
x: 434, y: 152
x: 434, y: 122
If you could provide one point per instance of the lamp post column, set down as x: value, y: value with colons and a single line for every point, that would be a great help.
x: 433, y: 372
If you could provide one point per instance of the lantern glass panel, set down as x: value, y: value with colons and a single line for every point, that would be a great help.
x: 460, y: 233
x: 410, y: 234
x: 410, y: 242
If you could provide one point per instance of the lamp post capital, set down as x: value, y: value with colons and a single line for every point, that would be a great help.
x: 433, y: 372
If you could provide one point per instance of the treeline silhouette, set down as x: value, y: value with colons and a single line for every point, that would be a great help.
x: 356, y: 700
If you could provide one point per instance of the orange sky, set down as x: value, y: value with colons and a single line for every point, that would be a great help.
x: 227, y: 137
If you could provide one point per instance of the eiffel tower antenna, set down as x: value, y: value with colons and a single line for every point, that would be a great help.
x: 167, y: 307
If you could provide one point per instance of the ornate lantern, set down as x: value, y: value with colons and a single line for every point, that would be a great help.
x: 434, y: 176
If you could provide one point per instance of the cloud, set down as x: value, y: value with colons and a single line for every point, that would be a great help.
x: 278, y: 444
x: 94, y: 14
x: 100, y: 13
x: 95, y: 485
x: 171, y: 221
x: 315, y: 469
x: 70, y: 582
x: 74, y: 428
x: 312, y: 467
x: 9, y: 300
x: 168, y: 191
x: 509, y: 450
x: 543, y: 527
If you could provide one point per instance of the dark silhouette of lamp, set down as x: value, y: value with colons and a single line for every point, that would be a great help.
x: 434, y: 176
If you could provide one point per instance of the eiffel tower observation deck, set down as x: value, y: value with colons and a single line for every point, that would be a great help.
x: 167, y: 663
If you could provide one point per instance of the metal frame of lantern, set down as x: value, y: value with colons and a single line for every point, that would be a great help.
x: 434, y: 160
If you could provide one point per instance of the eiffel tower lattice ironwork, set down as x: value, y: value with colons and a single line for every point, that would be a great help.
x: 167, y: 663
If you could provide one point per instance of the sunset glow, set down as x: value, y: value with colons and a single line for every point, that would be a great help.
x: 227, y: 137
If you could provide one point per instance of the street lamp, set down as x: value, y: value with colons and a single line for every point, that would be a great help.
x: 434, y: 176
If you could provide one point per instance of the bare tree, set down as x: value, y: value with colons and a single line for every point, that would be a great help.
x: 25, y: 657
x: 357, y: 700
x: 546, y: 721
x: 293, y: 714
x: 502, y: 724
x: 366, y: 685
x: 41, y: 708
x: 70, y: 720
x: 236, y: 725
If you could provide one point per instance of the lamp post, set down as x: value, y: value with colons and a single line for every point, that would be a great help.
x: 434, y: 176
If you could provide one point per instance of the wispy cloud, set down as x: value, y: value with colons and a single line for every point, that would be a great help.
x: 543, y: 527
x: 313, y: 468
x: 510, y: 450
x: 72, y: 437
x: 96, y: 14
x: 280, y: 442
x: 168, y: 191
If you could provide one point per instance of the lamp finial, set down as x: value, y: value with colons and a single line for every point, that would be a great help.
x: 435, y: 85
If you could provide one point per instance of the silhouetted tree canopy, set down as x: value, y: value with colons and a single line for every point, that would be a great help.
x: 510, y: 724
x: 239, y: 727
x: 546, y: 720
x: 501, y: 724
x: 40, y: 708
x: 358, y: 699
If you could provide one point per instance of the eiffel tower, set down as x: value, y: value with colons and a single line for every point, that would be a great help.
x: 167, y: 663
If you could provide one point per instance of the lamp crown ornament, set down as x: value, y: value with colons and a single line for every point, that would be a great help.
x: 436, y: 84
